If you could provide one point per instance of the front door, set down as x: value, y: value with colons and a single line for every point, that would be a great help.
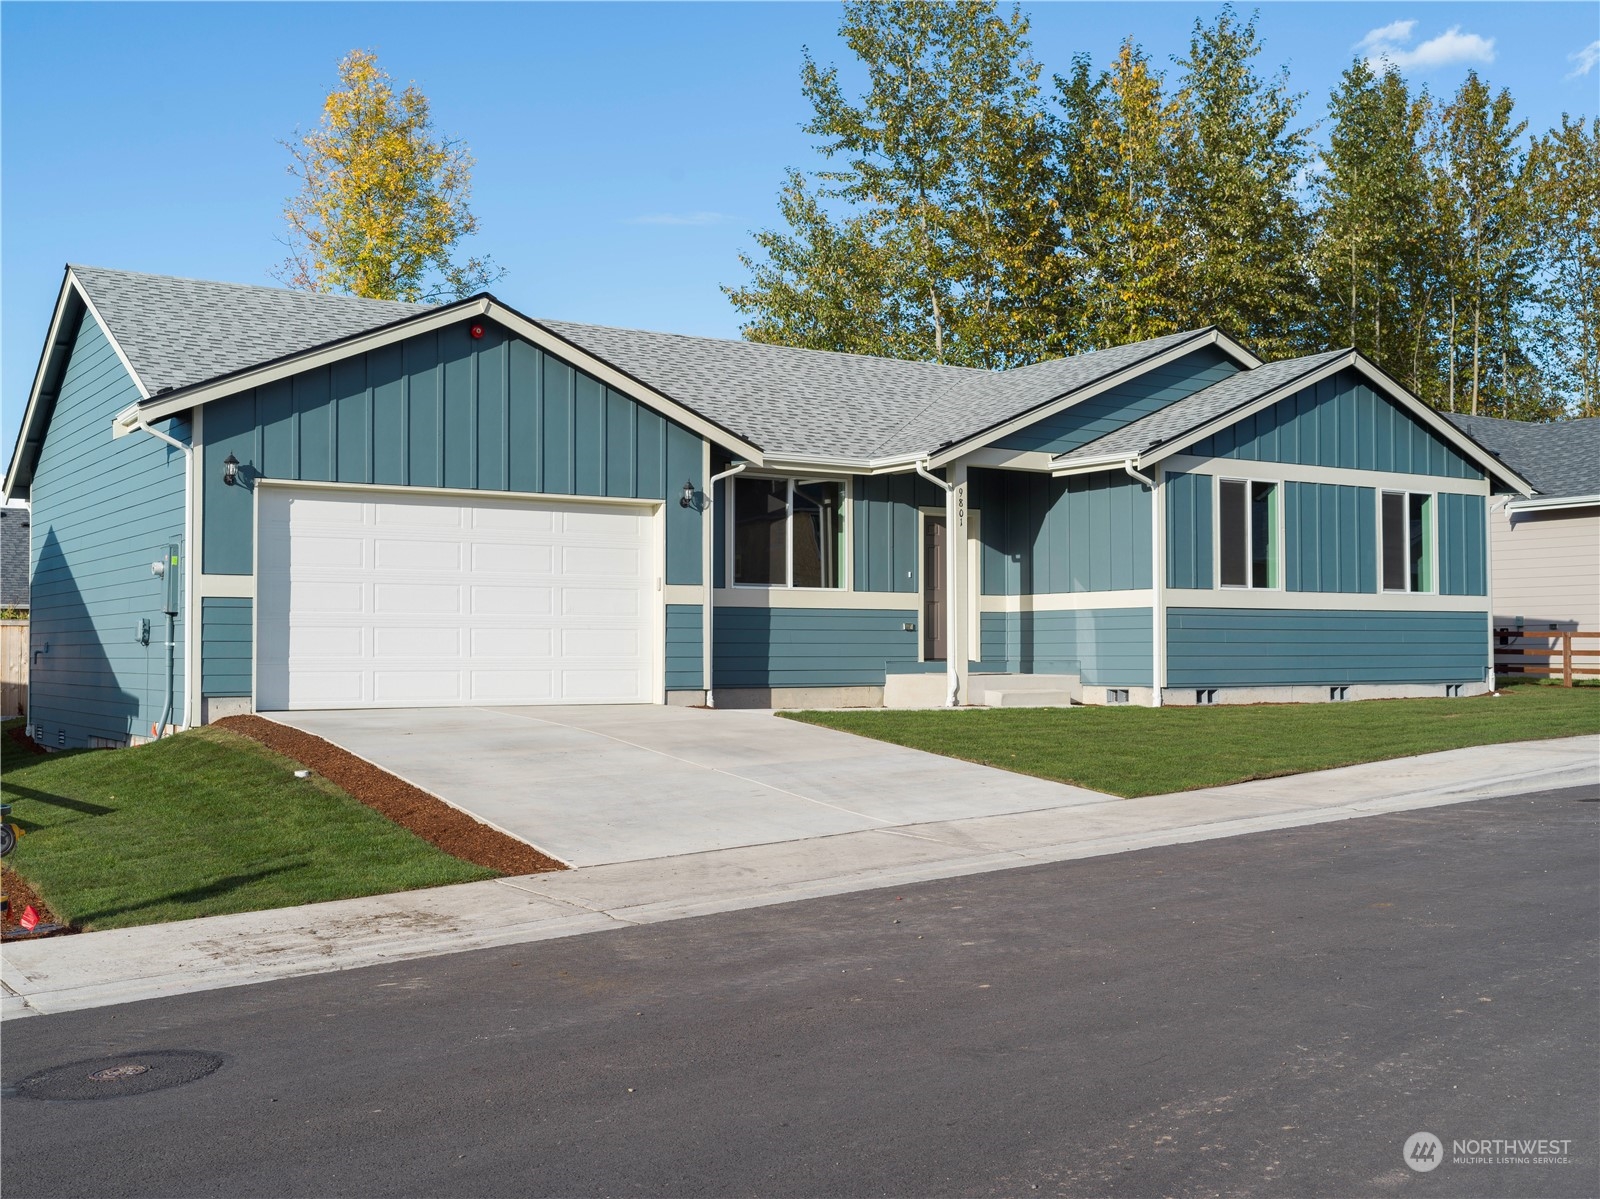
x: 935, y: 619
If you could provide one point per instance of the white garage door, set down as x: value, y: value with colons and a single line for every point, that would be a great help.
x: 414, y: 601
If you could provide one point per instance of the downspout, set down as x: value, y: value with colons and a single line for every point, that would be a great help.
x: 708, y: 591
x: 1158, y: 616
x: 172, y: 620
x: 952, y: 611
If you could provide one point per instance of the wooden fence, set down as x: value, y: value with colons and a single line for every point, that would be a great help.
x: 13, y: 668
x: 1525, y: 651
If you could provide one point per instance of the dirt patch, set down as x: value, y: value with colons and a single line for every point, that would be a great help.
x: 20, y: 736
x: 19, y: 897
x: 429, y: 817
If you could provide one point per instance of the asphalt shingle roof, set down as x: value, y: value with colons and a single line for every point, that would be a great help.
x: 14, y: 557
x: 785, y: 400
x: 1203, y: 406
x: 1560, y: 458
x: 178, y: 332
x: 181, y: 332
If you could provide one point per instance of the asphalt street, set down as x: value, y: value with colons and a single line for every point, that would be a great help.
x: 1267, y: 1015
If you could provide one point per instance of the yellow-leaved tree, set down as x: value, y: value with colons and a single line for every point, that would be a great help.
x: 383, y: 198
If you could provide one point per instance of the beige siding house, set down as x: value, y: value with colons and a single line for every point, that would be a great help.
x: 1544, y: 550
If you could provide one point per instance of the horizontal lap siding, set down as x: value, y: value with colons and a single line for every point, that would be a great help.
x: 104, y: 509
x: 1330, y: 538
x: 225, y: 632
x: 810, y: 647
x: 1042, y: 535
x: 1217, y: 647
x: 441, y: 409
x: 685, y: 637
x: 1339, y: 422
x: 1111, y: 410
x: 1105, y: 646
x: 1547, y: 568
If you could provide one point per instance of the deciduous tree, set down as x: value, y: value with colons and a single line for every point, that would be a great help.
x: 384, y: 199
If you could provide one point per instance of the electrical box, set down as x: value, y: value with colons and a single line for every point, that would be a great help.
x: 172, y: 576
x: 141, y: 631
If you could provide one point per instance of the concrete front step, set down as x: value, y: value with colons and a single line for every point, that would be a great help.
x: 1029, y: 697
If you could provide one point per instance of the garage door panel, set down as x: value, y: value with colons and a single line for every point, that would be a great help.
x: 514, y: 643
x: 416, y: 555
x: 511, y: 558
x: 416, y: 601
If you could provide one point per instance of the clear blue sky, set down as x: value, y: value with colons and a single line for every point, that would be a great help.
x: 625, y: 151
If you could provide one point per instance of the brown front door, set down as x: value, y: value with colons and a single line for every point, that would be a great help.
x: 934, y: 591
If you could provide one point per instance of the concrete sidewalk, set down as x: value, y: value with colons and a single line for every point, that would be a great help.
x: 95, y: 969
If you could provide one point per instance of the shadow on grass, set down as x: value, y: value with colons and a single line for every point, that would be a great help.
x: 221, y: 886
x: 58, y: 801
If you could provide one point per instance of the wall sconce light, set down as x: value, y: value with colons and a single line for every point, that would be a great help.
x: 686, y: 500
x: 230, y: 470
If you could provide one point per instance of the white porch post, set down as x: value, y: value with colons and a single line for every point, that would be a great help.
x: 957, y: 580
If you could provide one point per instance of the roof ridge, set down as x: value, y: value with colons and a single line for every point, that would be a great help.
x: 294, y: 292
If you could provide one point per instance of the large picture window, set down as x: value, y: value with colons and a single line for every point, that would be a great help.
x: 1406, y: 532
x: 1247, y: 533
x: 788, y: 533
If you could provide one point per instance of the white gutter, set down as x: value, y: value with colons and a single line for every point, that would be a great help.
x: 1158, y: 615
x: 953, y: 614
x: 708, y: 589
x: 1544, y: 502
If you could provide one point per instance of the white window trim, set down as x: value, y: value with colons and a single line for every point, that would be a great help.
x: 1249, y: 533
x: 846, y: 512
x: 1432, y: 549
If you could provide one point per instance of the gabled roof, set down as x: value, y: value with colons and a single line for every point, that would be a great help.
x: 1190, y: 420
x: 1196, y: 411
x: 1560, y: 458
x: 179, y: 332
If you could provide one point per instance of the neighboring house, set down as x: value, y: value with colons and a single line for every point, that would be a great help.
x: 378, y: 504
x: 1544, y: 549
x: 14, y: 558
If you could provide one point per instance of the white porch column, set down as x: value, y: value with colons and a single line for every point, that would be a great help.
x: 957, y: 580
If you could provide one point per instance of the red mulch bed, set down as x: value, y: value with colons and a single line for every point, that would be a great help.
x: 19, y: 895
x: 429, y: 817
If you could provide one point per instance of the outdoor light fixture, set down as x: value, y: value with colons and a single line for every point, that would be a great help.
x: 686, y: 500
x: 476, y: 331
x: 230, y: 470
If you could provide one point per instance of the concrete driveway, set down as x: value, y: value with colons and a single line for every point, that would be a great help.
x: 591, y: 785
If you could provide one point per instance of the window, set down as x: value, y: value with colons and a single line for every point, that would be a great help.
x: 788, y: 533
x: 1406, y: 534
x: 1248, y: 533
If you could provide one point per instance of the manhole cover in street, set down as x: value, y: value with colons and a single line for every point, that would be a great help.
x: 118, y: 1077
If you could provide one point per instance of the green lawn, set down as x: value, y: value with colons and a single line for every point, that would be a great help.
x: 199, y: 824
x: 1147, y: 751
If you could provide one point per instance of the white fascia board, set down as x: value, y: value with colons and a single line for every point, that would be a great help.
x: 1549, y: 503
x: 164, y: 406
x: 1070, y: 399
x: 54, y: 345
x: 1086, y: 466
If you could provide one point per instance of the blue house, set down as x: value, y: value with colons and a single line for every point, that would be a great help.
x: 246, y: 498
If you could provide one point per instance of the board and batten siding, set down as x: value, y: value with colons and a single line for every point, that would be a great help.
x: 1330, y: 536
x: 104, y: 509
x: 1152, y: 391
x: 1463, y: 550
x: 225, y: 662
x: 1104, y: 646
x: 1189, y: 530
x: 444, y: 410
x: 1042, y: 535
x: 1253, y: 647
x: 1341, y: 422
x: 1546, y: 568
x: 810, y: 647
x: 886, y: 530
